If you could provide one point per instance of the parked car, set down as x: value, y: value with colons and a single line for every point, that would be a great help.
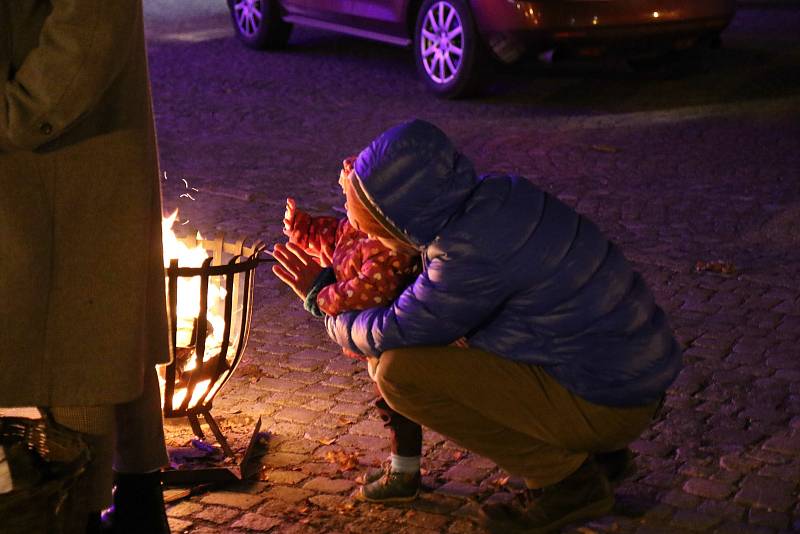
x: 454, y: 40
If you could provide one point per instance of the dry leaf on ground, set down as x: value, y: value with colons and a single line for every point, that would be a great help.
x: 716, y: 266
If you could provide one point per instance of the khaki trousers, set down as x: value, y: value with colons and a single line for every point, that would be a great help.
x: 512, y: 413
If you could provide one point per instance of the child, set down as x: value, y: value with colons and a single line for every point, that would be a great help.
x: 369, y: 271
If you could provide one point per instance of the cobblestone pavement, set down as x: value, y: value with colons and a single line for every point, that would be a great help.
x: 698, y: 163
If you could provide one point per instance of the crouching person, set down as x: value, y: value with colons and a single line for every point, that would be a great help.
x: 568, y: 355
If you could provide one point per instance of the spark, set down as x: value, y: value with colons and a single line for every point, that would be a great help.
x: 187, y: 195
x: 185, y: 183
x: 184, y: 223
x: 165, y: 175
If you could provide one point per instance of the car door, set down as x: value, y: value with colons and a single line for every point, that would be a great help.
x: 378, y: 17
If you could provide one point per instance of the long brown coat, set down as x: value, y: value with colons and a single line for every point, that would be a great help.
x: 82, y: 307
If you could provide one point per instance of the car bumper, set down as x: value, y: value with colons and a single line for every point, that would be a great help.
x: 625, y: 25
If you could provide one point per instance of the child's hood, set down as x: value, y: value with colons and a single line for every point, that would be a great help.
x: 415, y: 178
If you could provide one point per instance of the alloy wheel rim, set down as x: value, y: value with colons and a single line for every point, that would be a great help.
x: 248, y: 15
x: 442, y: 42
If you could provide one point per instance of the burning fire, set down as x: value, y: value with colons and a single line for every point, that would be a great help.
x: 188, y: 308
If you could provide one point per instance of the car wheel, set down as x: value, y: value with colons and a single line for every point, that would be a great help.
x: 449, y: 54
x: 258, y: 23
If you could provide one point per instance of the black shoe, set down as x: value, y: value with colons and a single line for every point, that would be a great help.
x: 583, y: 495
x: 617, y: 465
x: 138, y: 505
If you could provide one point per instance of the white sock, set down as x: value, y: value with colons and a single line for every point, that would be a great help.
x: 405, y: 464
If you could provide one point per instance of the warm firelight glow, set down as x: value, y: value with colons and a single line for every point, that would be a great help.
x: 187, y: 311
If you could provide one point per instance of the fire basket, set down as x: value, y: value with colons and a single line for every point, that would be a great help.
x: 210, y: 308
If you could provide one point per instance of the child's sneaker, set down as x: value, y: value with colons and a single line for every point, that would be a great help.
x: 390, y: 486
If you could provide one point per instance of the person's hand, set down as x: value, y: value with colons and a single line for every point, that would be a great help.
x: 295, y: 268
x: 326, y: 257
x: 288, y: 216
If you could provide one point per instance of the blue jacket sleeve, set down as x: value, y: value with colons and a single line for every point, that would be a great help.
x: 454, y: 295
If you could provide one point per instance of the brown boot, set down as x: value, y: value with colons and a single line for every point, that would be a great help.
x: 584, y: 494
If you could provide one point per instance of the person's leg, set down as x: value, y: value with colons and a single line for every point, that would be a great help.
x: 92, y: 491
x: 139, y: 454
x: 400, y: 480
x: 518, y: 416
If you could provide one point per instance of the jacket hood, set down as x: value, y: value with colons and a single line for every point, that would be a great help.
x: 413, y: 177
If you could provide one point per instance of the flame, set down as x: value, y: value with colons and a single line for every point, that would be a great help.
x: 188, y: 308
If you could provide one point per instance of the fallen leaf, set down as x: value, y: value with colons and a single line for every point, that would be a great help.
x: 251, y: 370
x: 458, y: 455
x: 608, y: 149
x: 346, y: 461
x: 716, y: 266
x: 328, y: 441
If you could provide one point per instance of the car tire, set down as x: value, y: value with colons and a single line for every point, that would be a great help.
x: 449, y: 53
x: 259, y: 24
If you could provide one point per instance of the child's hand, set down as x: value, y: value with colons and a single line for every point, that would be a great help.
x: 288, y: 216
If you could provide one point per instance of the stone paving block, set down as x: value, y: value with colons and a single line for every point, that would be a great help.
x: 733, y: 527
x: 282, y: 477
x: 277, y: 384
x: 430, y: 521
x: 739, y: 463
x: 769, y: 493
x: 183, y: 509
x: 296, y: 415
x: 776, y: 520
x: 458, y: 489
x: 332, y: 502
x: 789, y: 472
x: 242, y: 501
x: 287, y: 494
x: 680, y: 499
x: 339, y: 381
x: 370, y: 428
x: 303, y: 377
x: 349, y: 409
x: 256, y: 522
x: 319, y: 405
x: 464, y: 473
x: 363, y: 442
x: 333, y: 421
x: 356, y: 396
x: 319, y: 391
x: 297, y: 446
x: 709, y: 489
x: 695, y: 521
x: 342, y: 368
x: 218, y: 514
x: 785, y: 443
x: 179, y: 525
x: 283, y: 459
x: 320, y: 469
x: 465, y: 526
x: 284, y: 398
x: 329, y: 485
x: 288, y: 430
x: 650, y: 448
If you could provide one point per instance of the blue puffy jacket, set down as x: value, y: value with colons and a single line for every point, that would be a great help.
x: 513, y: 269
